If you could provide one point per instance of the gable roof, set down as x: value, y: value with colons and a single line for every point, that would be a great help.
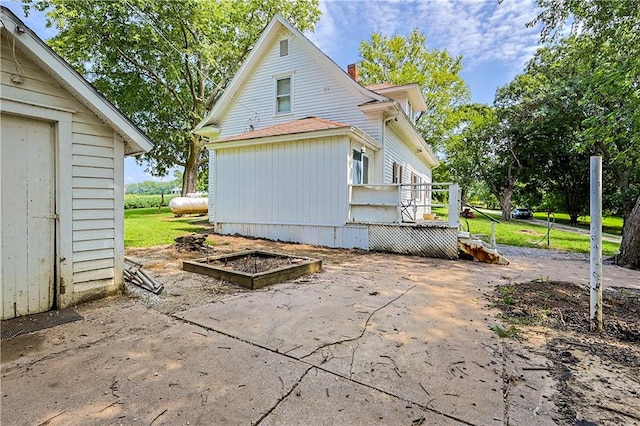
x: 136, y: 141
x: 292, y: 130
x: 270, y: 34
x: 412, y: 91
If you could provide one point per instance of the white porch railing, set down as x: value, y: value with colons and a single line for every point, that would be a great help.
x: 402, y: 203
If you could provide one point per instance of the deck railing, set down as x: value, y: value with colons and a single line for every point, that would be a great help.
x: 405, y: 203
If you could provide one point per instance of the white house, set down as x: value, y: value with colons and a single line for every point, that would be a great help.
x: 61, y: 174
x: 300, y: 151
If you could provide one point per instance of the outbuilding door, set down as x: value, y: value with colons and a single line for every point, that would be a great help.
x: 27, y: 175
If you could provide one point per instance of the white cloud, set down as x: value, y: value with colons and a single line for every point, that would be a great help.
x: 481, y: 31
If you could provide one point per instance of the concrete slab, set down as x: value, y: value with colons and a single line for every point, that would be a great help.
x: 408, y: 335
x: 322, y: 398
x: 375, y: 339
x: 183, y: 375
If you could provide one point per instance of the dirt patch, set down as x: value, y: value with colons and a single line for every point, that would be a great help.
x: 255, y: 263
x: 597, y: 374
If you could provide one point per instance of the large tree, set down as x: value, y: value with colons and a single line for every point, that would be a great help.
x: 605, y: 51
x: 483, y: 149
x: 165, y: 63
x: 408, y: 59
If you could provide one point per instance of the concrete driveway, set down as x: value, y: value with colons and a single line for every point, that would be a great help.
x: 377, y: 339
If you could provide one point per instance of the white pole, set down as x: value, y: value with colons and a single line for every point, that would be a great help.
x: 596, y: 244
x: 454, y: 206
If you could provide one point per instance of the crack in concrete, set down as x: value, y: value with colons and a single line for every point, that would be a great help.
x: 32, y: 363
x: 364, y: 329
x: 423, y: 407
x: 506, y: 385
x: 283, y: 397
x: 333, y: 373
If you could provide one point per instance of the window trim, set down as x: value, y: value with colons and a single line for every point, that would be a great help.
x: 416, y: 193
x: 284, y: 47
x: 276, y: 79
x: 396, y: 173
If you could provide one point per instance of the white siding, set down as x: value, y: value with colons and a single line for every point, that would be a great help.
x: 315, y: 93
x: 347, y: 236
x: 93, y: 175
x: 301, y: 182
x: 401, y: 153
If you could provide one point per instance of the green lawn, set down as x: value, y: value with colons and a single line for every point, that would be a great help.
x: 521, y: 233
x: 147, y: 227
x: 610, y: 225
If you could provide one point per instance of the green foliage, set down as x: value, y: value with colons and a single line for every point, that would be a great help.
x: 404, y: 60
x: 165, y: 63
x: 152, y: 187
x: 133, y: 201
x: 596, y: 68
x: 502, y: 332
x: 148, y: 227
x: 506, y: 295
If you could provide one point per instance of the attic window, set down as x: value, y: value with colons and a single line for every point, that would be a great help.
x: 284, y: 47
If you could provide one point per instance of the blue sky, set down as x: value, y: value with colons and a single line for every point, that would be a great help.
x: 492, y: 38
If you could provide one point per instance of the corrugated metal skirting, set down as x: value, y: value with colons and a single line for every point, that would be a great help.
x: 436, y: 242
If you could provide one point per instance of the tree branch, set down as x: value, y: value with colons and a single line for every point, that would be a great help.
x: 151, y: 74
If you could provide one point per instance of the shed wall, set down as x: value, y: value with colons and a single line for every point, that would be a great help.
x: 96, y: 177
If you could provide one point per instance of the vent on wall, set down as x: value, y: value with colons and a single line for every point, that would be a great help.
x: 284, y: 47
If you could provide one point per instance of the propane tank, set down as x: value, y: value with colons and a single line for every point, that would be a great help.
x: 189, y: 205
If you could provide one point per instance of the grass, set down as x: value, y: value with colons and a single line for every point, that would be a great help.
x: 525, y: 234
x: 610, y: 225
x: 148, y: 227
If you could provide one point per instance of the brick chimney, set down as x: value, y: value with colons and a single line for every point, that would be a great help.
x: 352, y: 70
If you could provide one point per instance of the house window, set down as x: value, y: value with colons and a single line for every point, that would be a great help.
x: 283, y: 95
x: 284, y: 47
x: 360, y: 168
x: 416, y: 191
x: 397, y: 173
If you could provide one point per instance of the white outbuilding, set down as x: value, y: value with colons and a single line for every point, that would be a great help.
x: 61, y: 174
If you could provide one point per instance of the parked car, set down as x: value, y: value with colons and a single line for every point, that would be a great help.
x: 522, y: 213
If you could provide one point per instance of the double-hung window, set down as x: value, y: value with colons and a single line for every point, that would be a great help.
x: 283, y: 95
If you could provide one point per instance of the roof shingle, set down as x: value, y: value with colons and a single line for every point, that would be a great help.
x: 303, y: 125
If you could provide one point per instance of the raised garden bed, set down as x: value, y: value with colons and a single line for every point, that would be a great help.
x: 253, y: 269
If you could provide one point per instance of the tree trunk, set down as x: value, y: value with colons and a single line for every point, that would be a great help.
x: 629, y: 256
x: 504, y: 198
x: 190, y: 175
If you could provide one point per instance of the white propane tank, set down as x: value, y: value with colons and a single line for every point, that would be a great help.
x: 189, y: 205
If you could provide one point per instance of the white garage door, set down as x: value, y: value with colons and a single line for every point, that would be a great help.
x: 27, y: 175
